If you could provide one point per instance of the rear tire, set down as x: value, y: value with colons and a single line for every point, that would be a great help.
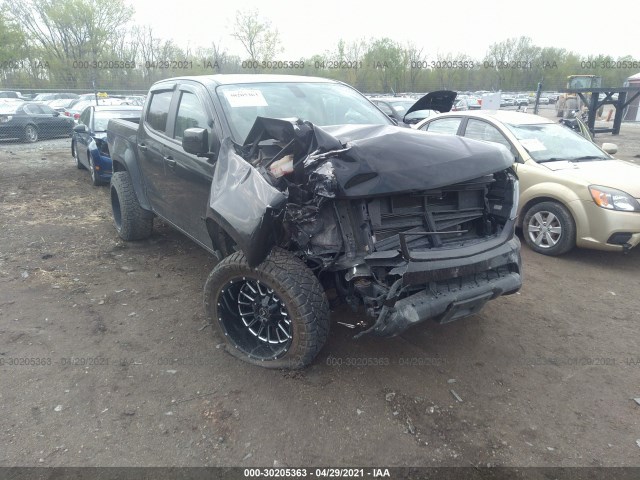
x: 30, y: 134
x: 132, y: 222
x: 275, y: 315
x: 74, y: 153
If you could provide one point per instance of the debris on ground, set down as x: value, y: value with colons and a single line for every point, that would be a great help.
x: 456, y: 396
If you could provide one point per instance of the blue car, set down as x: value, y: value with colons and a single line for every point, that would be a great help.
x: 89, y: 141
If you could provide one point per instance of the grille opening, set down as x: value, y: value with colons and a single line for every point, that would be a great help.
x: 461, y: 208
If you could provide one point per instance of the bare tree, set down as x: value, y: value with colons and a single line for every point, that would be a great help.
x: 415, y: 61
x: 259, y: 39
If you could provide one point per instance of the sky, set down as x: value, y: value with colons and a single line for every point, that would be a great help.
x: 465, y: 26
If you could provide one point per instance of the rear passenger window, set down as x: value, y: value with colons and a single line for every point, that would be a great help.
x: 191, y: 114
x: 443, y: 125
x: 159, y: 110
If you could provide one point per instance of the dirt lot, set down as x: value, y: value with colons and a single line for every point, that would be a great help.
x: 120, y: 372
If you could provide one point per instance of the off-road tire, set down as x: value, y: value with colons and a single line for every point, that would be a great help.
x: 132, y: 222
x: 299, y: 291
x: 30, y: 134
x: 563, y: 219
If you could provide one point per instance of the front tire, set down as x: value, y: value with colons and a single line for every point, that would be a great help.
x: 548, y: 228
x: 275, y: 315
x: 132, y: 222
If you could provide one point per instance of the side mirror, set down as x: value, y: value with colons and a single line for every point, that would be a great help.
x: 610, y: 148
x: 80, y: 128
x: 196, y: 141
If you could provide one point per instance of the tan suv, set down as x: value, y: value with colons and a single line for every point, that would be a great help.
x: 572, y: 192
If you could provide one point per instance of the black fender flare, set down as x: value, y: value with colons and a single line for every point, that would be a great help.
x: 125, y: 158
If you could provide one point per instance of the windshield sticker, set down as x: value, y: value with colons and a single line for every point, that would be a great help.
x: 245, y: 98
x: 532, y: 144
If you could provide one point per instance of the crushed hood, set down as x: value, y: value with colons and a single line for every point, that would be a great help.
x: 382, y: 160
x: 348, y: 161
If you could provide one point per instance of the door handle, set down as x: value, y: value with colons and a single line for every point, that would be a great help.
x: 142, y: 147
x: 170, y: 161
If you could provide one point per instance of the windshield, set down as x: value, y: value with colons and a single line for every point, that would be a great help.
x: 101, y: 119
x: 44, y: 96
x: 319, y: 103
x: 549, y: 142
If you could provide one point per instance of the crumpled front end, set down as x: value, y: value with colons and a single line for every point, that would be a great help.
x: 405, y: 225
x: 441, y: 254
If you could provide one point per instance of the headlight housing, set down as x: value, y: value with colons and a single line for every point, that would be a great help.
x: 613, y: 199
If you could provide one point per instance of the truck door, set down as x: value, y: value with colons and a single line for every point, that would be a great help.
x: 152, y: 136
x: 188, y: 176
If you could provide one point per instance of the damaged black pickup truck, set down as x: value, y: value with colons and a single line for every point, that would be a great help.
x: 301, y: 185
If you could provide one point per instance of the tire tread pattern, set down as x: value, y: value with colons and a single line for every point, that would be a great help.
x: 136, y: 223
x: 306, y: 298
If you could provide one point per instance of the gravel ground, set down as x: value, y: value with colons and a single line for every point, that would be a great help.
x: 120, y: 372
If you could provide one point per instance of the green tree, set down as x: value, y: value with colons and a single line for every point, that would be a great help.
x: 385, y: 61
x: 63, y: 31
x: 11, y: 50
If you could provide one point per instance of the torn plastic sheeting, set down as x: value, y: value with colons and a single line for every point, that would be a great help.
x: 287, y: 129
x: 323, y: 180
x: 374, y: 160
x: 243, y: 201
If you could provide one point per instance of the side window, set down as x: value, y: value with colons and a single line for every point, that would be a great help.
x: 85, y: 117
x: 159, y: 110
x: 479, y: 130
x: 191, y: 114
x: 443, y: 125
